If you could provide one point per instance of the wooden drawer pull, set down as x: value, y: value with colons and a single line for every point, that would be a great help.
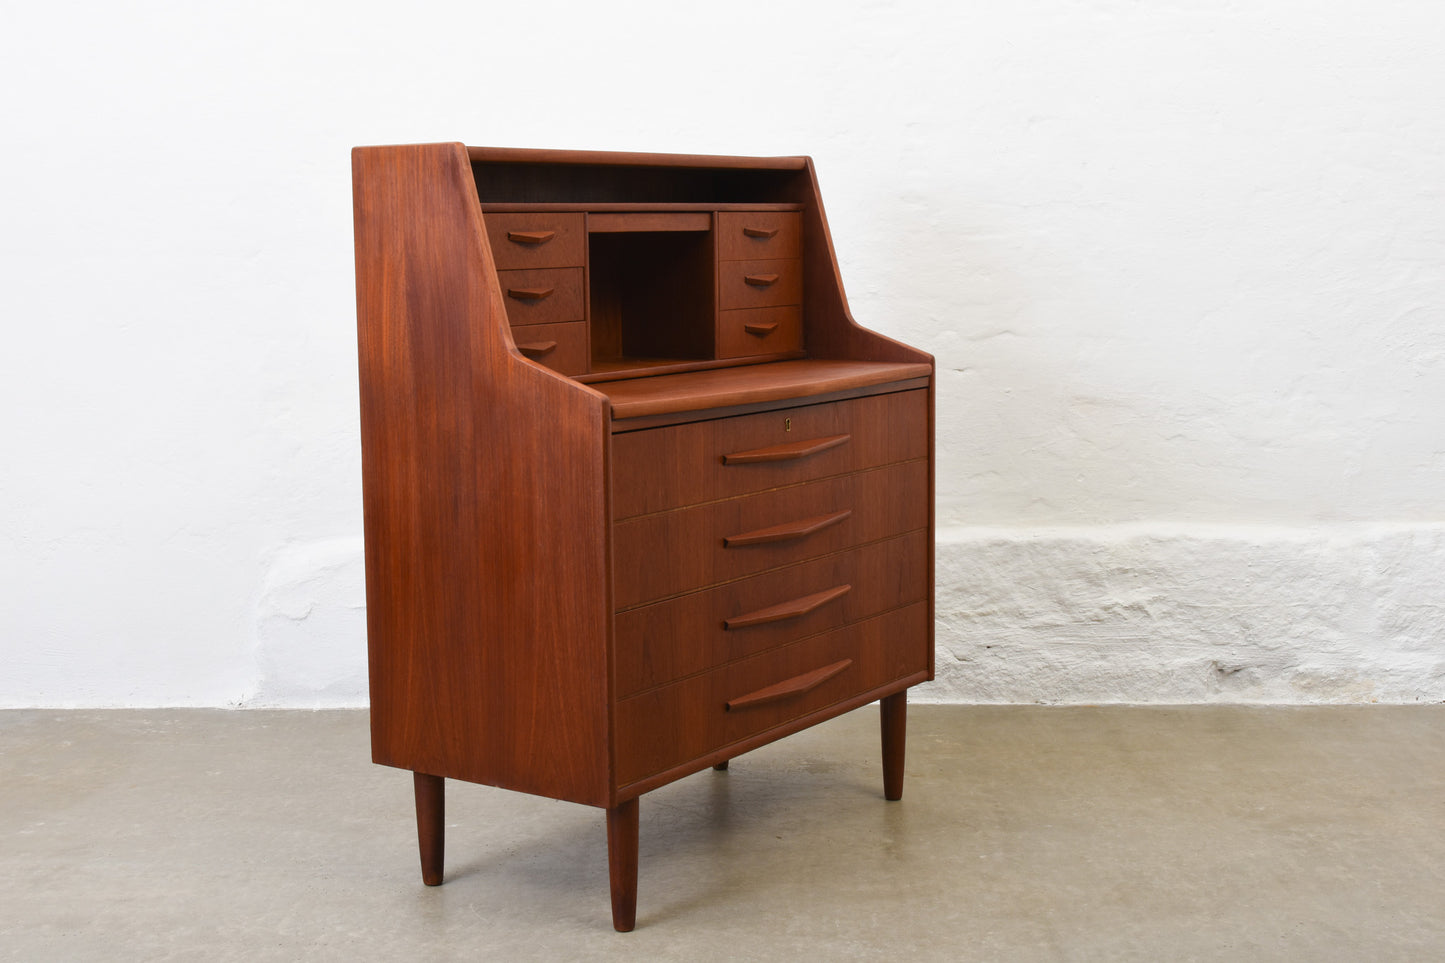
x: 536, y: 349
x: 796, y: 686
x: 788, y: 610
x: 761, y: 280
x: 531, y: 237
x: 529, y: 294
x: 787, y: 531
x: 760, y: 232
x: 792, y: 450
x: 761, y: 330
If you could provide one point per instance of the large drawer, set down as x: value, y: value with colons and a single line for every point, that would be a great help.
x: 662, y: 468
x: 675, y: 724
x: 757, y: 284
x: 542, y: 296
x: 669, y: 553
x: 665, y: 641
x: 537, y: 240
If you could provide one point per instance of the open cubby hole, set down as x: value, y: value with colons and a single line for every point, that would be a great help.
x: 651, y: 298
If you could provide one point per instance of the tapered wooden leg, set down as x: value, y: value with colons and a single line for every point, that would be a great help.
x: 622, y: 864
x: 430, y: 825
x: 893, y: 719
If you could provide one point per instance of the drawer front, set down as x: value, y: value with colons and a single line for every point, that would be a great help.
x: 543, y: 296
x: 759, y: 331
x: 669, y: 553
x: 759, y: 284
x: 522, y: 241
x: 678, y: 723
x: 665, y: 641
x: 752, y: 235
x: 561, y: 347
x: 664, y: 468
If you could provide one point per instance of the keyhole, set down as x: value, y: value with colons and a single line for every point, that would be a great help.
x: 787, y: 424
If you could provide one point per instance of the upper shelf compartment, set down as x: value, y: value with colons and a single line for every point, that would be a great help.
x: 645, y: 231
x: 596, y: 177
x: 687, y: 262
x: 632, y: 293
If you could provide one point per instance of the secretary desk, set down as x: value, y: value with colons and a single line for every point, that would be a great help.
x: 639, y: 494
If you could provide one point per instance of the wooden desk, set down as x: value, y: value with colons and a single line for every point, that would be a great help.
x: 640, y: 496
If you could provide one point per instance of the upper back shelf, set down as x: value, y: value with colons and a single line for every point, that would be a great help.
x: 507, y: 175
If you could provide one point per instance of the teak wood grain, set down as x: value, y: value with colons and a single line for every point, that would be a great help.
x: 639, y: 493
x: 683, y: 550
x: 431, y: 825
x: 759, y: 284
x: 687, y: 720
x: 669, y: 467
x: 752, y: 235
x: 529, y: 240
x: 620, y: 222
x: 663, y: 419
x: 561, y: 347
x: 758, y: 331
x: 724, y: 387
x: 542, y: 295
x: 475, y: 522
x: 667, y: 640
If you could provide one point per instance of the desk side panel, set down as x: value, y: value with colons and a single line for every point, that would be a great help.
x: 485, y: 506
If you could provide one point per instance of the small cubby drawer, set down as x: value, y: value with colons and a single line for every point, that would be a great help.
x: 755, y: 331
x: 749, y: 235
x: 677, y: 724
x: 759, y: 284
x: 663, y: 468
x: 537, y: 240
x: 666, y: 641
x: 656, y: 556
x: 542, y: 296
x: 561, y: 346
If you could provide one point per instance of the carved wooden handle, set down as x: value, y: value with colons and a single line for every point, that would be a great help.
x: 537, y: 348
x: 759, y: 232
x: 531, y: 237
x: 788, y: 452
x: 761, y: 280
x: 787, y: 531
x: 761, y: 330
x: 529, y: 294
x: 792, y: 687
x: 788, y: 610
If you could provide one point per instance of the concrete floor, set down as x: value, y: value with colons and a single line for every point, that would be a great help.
x: 1025, y: 833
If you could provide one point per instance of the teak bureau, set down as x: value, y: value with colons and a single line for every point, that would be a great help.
x: 640, y: 496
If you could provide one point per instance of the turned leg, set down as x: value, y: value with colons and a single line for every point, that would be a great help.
x: 430, y: 825
x: 893, y: 719
x: 622, y: 864
x: 722, y: 766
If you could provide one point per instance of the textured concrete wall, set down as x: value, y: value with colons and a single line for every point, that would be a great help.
x: 1182, y: 265
x: 1183, y: 614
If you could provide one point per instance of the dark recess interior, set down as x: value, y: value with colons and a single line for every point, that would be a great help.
x: 510, y: 182
x: 651, y: 297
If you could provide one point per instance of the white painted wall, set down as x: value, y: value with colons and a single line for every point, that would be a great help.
x: 1182, y: 264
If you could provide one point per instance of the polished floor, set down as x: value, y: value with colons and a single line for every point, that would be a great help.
x: 1025, y: 833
